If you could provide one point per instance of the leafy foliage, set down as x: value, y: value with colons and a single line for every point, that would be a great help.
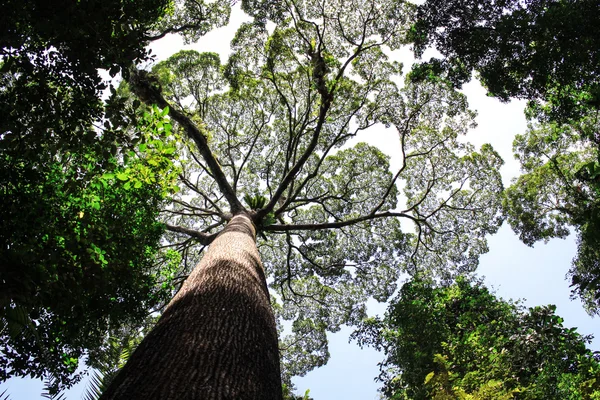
x: 112, y: 356
x: 461, y: 342
x: 192, y: 18
x: 559, y: 189
x: 78, y: 244
x: 288, y: 395
x: 50, y: 392
x: 536, y: 49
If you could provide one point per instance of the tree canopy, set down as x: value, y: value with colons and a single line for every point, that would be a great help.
x: 269, y: 133
x: 559, y: 191
x: 462, y: 342
x: 541, y: 50
x: 51, y: 56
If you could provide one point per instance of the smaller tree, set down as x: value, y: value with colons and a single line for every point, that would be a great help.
x: 559, y: 190
x: 540, y: 50
x: 461, y: 342
x: 78, y: 237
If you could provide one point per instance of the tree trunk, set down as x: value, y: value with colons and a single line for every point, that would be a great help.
x: 217, y: 337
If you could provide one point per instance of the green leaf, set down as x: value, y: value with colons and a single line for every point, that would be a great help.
x: 429, y: 377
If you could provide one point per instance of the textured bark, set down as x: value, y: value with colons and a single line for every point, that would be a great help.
x: 217, y: 337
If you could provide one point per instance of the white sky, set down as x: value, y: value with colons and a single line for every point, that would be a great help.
x: 516, y: 271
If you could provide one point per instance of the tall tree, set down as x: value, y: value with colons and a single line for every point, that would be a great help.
x: 269, y: 168
x: 461, y: 342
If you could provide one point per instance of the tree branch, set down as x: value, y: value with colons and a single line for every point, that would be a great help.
x: 338, y: 224
x: 203, y: 238
x: 179, y: 29
x: 149, y: 94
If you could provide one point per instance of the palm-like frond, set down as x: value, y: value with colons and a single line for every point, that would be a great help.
x: 100, y: 378
x: 15, y: 320
x: 51, y: 391
x: 4, y: 395
x: 95, y: 386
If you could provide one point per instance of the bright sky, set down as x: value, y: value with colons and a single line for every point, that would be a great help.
x: 516, y: 271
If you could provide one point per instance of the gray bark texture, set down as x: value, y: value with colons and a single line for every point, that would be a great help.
x: 217, y: 338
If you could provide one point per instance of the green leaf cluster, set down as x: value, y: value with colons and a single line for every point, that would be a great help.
x: 462, y: 342
x: 51, y: 58
x: 255, y: 202
x: 79, y: 233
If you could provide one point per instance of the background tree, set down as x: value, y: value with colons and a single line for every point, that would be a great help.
x: 268, y: 151
x: 547, y: 52
x: 559, y: 189
x: 460, y: 341
x: 79, y: 257
x: 81, y: 182
x: 540, y: 50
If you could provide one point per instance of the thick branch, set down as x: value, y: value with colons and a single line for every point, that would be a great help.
x: 203, y: 238
x: 179, y: 29
x: 338, y: 224
x: 149, y: 94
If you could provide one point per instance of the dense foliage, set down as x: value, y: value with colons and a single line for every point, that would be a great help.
x: 462, y: 342
x: 541, y: 50
x: 559, y: 192
x: 78, y: 239
x: 51, y: 56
